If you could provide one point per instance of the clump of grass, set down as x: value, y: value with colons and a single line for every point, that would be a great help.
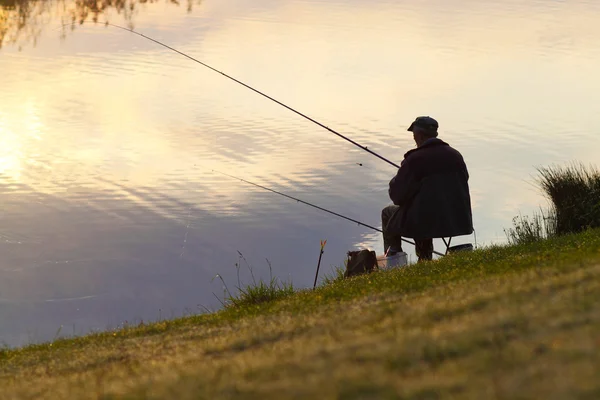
x: 337, y: 275
x: 575, y: 194
x: 262, y: 292
x: 257, y: 292
x: 532, y: 229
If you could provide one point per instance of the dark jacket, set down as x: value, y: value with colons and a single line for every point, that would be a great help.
x: 432, y: 190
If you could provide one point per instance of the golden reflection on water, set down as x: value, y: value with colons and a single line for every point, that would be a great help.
x: 10, y: 158
x: 498, y: 77
x: 15, y: 134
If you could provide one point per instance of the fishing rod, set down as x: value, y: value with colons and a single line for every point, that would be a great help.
x: 315, y: 206
x: 256, y: 91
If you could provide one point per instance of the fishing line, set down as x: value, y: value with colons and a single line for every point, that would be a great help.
x: 254, y: 90
x: 314, y: 206
x: 285, y: 106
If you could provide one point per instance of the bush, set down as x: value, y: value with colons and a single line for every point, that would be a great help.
x: 575, y: 195
x: 574, y: 192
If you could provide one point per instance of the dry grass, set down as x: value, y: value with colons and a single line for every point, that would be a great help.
x: 524, y: 325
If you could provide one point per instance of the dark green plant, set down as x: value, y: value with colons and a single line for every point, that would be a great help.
x: 574, y: 191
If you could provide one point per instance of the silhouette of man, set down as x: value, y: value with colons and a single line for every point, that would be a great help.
x: 430, y: 193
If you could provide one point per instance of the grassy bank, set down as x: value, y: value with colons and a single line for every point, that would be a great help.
x: 513, y: 322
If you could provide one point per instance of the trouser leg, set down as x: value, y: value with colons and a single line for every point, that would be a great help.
x: 424, y: 249
x: 388, y: 215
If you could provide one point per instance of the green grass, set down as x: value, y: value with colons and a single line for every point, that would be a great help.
x: 527, y: 230
x: 256, y: 292
x: 500, y: 323
x: 261, y: 292
x: 335, y: 276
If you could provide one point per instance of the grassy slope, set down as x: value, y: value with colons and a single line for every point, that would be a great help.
x: 519, y: 322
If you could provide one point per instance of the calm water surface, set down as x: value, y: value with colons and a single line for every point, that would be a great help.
x: 109, y: 210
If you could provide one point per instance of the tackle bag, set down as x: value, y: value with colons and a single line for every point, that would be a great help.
x: 360, y: 262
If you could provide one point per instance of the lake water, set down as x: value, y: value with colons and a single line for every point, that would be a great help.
x: 110, y: 212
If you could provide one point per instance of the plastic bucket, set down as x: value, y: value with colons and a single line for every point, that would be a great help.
x: 395, y: 261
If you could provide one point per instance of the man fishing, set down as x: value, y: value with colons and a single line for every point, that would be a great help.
x: 430, y: 193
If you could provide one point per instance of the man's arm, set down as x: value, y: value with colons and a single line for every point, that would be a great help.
x: 403, y: 186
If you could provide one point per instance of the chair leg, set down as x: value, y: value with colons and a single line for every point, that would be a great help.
x: 447, y: 244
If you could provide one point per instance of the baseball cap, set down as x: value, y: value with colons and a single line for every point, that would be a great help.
x: 426, y: 123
